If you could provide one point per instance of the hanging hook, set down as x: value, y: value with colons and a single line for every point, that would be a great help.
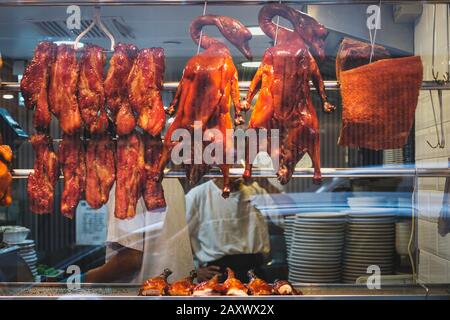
x: 440, y: 137
x: 373, y: 39
x: 276, y: 30
x: 96, y: 21
x: 201, y: 32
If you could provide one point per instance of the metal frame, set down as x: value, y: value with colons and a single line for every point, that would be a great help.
x: 244, y: 85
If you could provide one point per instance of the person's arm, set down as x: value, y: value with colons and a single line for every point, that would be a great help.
x: 123, y: 265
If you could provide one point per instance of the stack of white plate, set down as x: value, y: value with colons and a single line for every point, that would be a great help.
x: 365, y: 202
x: 402, y: 236
x: 288, y: 233
x: 369, y: 240
x: 28, y: 253
x: 317, y: 247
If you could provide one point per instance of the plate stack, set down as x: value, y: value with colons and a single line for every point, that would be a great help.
x: 369, y: 240
x: 28, y: 253
x: 317, y: 248
x: 288, y: 233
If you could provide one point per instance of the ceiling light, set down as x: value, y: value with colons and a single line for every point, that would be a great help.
x: 8, y: 96
x: 70, y: 43
x: 256, y: 31
x: 251, y: 64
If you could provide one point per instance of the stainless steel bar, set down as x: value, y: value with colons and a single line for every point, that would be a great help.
x: 243, y: 85
x: 308, y: 173
x: 201, y: 2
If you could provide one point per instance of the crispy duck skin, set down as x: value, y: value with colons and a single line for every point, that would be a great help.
x: 257, y: 286
x: 63, y: 90
x: 35, y: 82
x: 72, y: 158
x: 41, y: 183
x: 101, y: 170
x: 6, y: 156
x: 183, y: 287
x: 233, y: 286
x: 208, y: 288
x: 157, y: 286
x: 91, y: 94
x: 284, y: 288
x: 145, y: 83
x: 116, y: 91
x: 130, y: 175
x: 284, y: 102
x: 208, y: 84
x: 153, y: 192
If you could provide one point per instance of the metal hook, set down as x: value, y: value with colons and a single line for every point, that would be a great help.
x: 96, y: 20
x: 440, y: 138
x: 201, y: 32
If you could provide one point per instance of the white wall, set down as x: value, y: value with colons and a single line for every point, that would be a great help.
x: 434, y: 257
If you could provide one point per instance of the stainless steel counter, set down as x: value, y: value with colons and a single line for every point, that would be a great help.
x: 310, y: 292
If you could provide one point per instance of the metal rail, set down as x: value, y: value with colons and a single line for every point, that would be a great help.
x: 11, y: 3
x: 244, y: 85
x: 308, y: 173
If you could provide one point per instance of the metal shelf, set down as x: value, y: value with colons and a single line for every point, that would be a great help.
x: 243, y: 86
x: 307, y: 173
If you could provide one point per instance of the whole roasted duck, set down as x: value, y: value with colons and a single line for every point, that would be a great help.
x: 183, y: 287
x: 116, y: 91
x: 91, y: 93
x: 41, y: 183
x: 157, y: 286
x: 35, y: 83
x: 208, y: 84
x: 284, y: 101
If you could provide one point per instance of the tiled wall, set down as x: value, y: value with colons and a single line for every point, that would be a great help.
x: 434, y: 250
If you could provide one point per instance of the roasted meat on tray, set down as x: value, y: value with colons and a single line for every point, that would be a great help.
x: 207, y: 288
x: 101, y: 170
x: 116, y: 90
x: 257, y: 286
x: 183, y: 287
x: 41, y: 183
x: 63, y: 90
x: 35, y: 82
x: 284, y: 288
x: 145, y: 83
x: 91, y: 94
x: 208, y: 84
x: 233, y: 286
x: 130, y: 174
x: 72, y: 158
x: 284, y: 101
x: 157, y: 286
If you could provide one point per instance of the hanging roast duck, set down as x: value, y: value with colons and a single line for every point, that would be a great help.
x: 284, y: 101
x: 208, y: 84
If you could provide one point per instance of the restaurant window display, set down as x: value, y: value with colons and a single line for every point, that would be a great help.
x: 209, y: 149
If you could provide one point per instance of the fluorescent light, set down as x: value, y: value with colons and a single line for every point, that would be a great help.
x: 251, y: 64
x: 70, y: 43
x: 256, y: 31
x: 8, y: 96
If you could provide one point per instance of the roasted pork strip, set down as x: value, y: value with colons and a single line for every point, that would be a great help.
x: 153, y: 192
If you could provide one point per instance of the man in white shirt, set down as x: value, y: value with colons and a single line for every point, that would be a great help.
x: 142, y: 247
x: 226, y: 232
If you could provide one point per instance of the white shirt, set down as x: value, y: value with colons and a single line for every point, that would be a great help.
x: 161, y: 235
x: 220, y: 227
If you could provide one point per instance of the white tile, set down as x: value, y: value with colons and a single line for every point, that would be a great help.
x: 438, y: 270
x: 427, y: 236
x: 444, y: 246
x: 424, y: 266
x: 435, y: 204
x: 423, y: 203
x: 425, y: 184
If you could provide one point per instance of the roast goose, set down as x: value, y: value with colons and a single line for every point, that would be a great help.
x: 257, y: 286
x: 208, y: 84
x: 284, y: 101
x: 157, y: 286
x: 233, y: 286
x: 210, y: 287
x: 183, y: 287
